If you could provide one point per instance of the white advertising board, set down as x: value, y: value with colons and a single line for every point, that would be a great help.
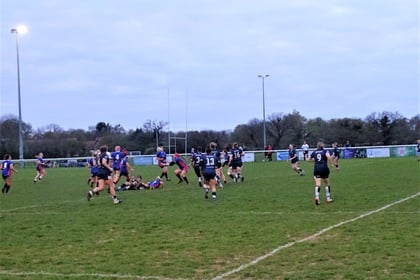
x: 377, y: 153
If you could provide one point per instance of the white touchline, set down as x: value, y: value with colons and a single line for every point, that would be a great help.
x: 322, y: 231
x: 34, y: 206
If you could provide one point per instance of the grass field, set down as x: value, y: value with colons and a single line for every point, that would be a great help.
x: 267, y: 227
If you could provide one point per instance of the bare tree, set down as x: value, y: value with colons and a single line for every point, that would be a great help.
x: 249, y: 135
x: 284, y: 129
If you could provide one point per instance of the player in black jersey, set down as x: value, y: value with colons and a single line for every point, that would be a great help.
x: 321, y: 157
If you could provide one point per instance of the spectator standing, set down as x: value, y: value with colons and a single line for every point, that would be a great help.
x: 305, y: 149
x: 269, y: 153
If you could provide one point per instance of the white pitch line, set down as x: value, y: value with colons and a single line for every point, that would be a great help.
x: 313, y: 236
x: 34, y: 206
x: 262, y: 213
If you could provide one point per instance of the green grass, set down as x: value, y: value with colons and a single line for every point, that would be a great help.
x: 48, y: 230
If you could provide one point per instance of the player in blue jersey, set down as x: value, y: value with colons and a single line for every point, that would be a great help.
x: 125, y: 167
x: 235, y: 160
x: 336, y: 156
x: 294, y: 160
x: 104, y: 176
x: 195, y: 163
x: 6, y: 172
x: 162, y: 162
x: 92, y: 164
x: 208, y: 167
x: 181, y: 171
x: 321, y: 157
x: 154, y: 184
x: 116, y: 158
x: 40, y: 170
x: 219, y: 171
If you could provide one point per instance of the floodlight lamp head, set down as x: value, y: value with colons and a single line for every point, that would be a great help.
x: 20, y: 29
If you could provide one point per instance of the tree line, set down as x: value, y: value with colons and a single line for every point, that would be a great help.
x: 385, y: 128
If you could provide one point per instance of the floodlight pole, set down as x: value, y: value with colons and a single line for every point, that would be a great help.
x: 16, y: 31
x: 263, y: 99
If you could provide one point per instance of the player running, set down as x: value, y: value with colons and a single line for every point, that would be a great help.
x: 40, y: 170
x: 116, y: 158
x: 195, y: 162
x: 208, y: 167
x: 104, y: 176
x: 181, y: 171
x: 162, y: 162
x: 336, y: 156
x: 219, y: 171
x: 235, y: 160
x: 294, y: 159
x: 92, y: 164
x: 125, y: 167
x: 321, y: 171
x: 6, y: 171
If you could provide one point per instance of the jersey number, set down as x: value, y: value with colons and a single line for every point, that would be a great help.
x: 210, y: 162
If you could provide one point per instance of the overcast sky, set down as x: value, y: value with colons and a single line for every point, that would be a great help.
x: 129, y: 61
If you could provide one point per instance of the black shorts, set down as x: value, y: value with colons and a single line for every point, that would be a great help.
x: 323, y: 173
x: 209, y: 176
x: 104, y: 174
x: 236, y: 164
x: 197, y: 170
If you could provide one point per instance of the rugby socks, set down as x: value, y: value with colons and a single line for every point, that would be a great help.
x: 328, y: 191
x: 317, y: 190
x: 180, y: 178
x: 5, y: 188
x: 164, y: 175
x: 206, y: 191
